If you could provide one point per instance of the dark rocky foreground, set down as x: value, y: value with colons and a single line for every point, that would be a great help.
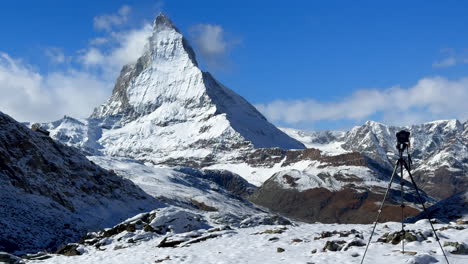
x: 51, y: 194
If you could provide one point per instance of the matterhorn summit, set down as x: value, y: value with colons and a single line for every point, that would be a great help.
x: 165, y: 109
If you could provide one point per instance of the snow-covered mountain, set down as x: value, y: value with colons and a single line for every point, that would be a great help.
x: 439, y: 150
x: 51, y: 193
x: 165, y: 109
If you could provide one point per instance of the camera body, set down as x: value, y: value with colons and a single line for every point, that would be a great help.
x: 403, y: 139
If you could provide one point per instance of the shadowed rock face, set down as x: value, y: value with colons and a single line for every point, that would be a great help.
x: 442, y: 182
x: 450, y: 209
x: 322, y: 205
x: 50, y: 193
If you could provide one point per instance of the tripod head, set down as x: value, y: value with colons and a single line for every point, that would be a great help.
x: 403, y: 140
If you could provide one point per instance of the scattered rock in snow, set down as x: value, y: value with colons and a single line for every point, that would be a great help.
x: 396, y: 237
x: 326, y: 234
x: 279, y: 250
x: 203, y: 206
x: 273, y: 231
x: 334, y: 245
x: 162, y: 260
x: 354, y: 243
x: 69, y: 250
x: 456, y: 248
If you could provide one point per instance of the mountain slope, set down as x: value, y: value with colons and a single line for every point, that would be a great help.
x: 164, y: 109
x: 451, y: 209
x: 439, y: 151
x: 51, y: 194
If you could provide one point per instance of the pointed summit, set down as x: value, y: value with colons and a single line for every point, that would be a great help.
x: 163, y: 21
x: 170, y: 110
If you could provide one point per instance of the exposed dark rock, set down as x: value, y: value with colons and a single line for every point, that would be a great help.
x: 279, y: 250
x: 69, y: 250
x: 297, y: 240
x: 274, y: 231
x: 396, y: 237
x: 47, y: 191
x: 334, y: 245
x: 352, y: 232
x: 169, y: 243
x: 9, y: 259
x: 354, y: 243
x: 458, y: 248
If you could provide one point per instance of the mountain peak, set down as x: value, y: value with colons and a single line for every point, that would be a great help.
x: 167, y: 102
x: 162, y: 21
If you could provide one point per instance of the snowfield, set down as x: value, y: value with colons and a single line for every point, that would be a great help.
x: 279, y: 244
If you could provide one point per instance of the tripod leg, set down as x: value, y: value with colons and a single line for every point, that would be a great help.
x: 380, y: 210
x: 424, y: 209
x: 402, y: 205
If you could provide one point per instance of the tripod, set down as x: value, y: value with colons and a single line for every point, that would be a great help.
x: 401, y: 163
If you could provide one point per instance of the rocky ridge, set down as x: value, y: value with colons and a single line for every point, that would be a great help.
x: 51, y: 193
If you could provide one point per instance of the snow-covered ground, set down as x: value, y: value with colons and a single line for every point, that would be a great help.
x: 328, y: 142
x: 302, y: 243
x: 174, y: 186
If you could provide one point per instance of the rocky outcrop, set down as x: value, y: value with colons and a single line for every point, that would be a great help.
x: 51, y: 194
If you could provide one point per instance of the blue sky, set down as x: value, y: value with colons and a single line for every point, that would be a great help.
x: 305, y: 64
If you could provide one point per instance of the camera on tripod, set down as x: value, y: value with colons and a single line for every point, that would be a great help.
x: 403, y: 140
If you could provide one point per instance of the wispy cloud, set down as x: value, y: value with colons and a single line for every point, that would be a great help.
x: 108, y: 21
x: 447, y: 62
x: 450, y: 58
x: 121, y: 48
x: 30, y: 95
x: 212, y: 43
x: 56, y: 55
x: 430, y: 99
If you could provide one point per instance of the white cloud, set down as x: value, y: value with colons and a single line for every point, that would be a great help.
x: 29, y: 96
x: 125, y: 47
x: 78, y: 87
x: 107, y: 22
x: 92, y: 56
x: 211, y: 42
x: 451, y: 58
x: 98, y: 41
x: 447, y: 62
x: 430, y: 99
x: 210, y: 39
x: 55, y: 54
